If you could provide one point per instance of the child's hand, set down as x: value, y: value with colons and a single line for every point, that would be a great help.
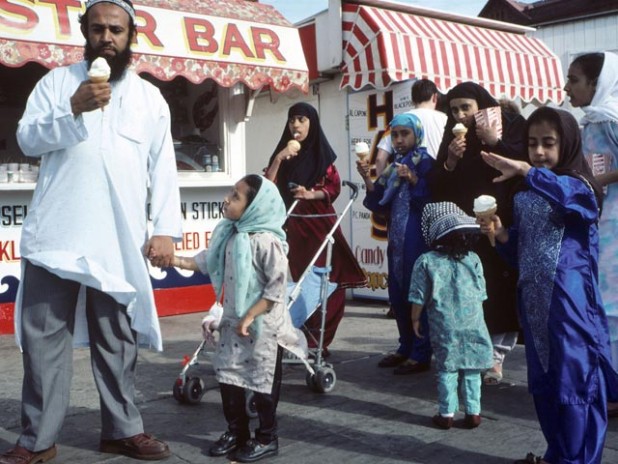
x: 416, y: 326
x: 493, y: 227
x: 416, y: 319
x: 243, y: 325
x: 208, y: 333
x: 508, y: 167
x: 405, y: 173
x: 160, y: 250
x: 363, y: 168
x: 301, y: 193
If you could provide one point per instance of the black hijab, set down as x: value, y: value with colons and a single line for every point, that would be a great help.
x: 571, y: 161
x: 314, y: 157
x: 483, y: 100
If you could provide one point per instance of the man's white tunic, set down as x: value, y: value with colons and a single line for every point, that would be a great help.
x: 88, y: 217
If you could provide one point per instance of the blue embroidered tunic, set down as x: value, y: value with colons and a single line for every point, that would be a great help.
x: 405, y: 206
x: 554, y: 242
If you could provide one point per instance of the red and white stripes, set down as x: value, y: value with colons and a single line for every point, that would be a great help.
x: 383, y: 46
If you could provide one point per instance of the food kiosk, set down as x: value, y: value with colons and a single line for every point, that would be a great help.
x: 209, y: 58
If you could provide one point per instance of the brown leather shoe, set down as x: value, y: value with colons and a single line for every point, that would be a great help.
x: 142, y: 446
x: 442, y: 422
x: 411, y: 367
x: 21, y: 455
x: 472, y: 421
x: 392, y: 360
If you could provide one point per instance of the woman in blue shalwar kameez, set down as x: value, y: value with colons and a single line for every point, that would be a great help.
x: 554, y: 243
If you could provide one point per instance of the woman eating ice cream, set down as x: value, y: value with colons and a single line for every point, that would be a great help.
x: 310, y: 176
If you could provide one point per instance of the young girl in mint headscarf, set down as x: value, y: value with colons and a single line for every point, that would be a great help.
x: 247, y: 259
x: 401, y: 193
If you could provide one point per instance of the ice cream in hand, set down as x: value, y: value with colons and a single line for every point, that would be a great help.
x: 459, y: 130
x: 294, y: 145
x: 362, y: 150
x: 485, y: 207
x: 99, y: 71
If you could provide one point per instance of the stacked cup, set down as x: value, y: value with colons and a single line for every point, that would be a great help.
x: 4, y: 176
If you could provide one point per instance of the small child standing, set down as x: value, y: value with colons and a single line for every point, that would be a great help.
x: 448, y: 283
x: 554, y: 242
x: 247, y: 257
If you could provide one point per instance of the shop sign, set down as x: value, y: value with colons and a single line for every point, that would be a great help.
x: 161, y: 32
x: 176, y: 291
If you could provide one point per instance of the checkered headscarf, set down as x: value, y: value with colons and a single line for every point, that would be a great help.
x: 440, y: 219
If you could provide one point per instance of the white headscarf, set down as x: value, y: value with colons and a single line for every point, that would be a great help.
x: 604, y: 104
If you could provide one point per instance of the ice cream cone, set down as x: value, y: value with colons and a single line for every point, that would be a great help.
x: 460, y: 130
x: 362, y: 151
x: 362, y: 156
x: 99, y: 71
x: 293, y: 146
x: 484, y: 218
x: 98, y: 79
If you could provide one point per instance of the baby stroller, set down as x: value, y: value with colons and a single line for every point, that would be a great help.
x: 305, y: 296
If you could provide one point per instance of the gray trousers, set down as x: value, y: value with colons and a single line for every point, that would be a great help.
x: 48, y: 321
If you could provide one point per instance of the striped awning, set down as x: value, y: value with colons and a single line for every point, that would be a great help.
x: 383, y: 46
x: 228, y: 41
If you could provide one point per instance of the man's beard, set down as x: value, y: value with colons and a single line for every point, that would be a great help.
x: 118, y: 64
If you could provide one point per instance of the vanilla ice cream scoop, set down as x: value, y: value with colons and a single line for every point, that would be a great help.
x: 485, y: 206
x: 484, y: 203
x: 99, y: 70
x: 294, y: 145
x: 362, y: 150
x: 459, y: 130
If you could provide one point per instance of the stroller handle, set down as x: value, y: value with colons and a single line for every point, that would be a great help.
x: 352, y: 186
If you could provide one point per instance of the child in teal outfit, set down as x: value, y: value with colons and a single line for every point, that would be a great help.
x: 448, y: 283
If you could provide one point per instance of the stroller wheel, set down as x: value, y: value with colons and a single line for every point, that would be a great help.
x: 177, y: 391
x: 325, y: 380
x: 250, y: 406
x: 310, y: 380
x: 193, y: 390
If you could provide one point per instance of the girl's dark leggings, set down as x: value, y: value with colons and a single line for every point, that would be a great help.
x: 234, y: 410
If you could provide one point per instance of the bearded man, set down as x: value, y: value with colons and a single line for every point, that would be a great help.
x: 106, y: 150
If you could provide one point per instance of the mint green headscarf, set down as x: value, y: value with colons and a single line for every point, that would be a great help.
x: 265, y: 214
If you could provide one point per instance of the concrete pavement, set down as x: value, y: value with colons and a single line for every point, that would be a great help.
x: 371, y: 416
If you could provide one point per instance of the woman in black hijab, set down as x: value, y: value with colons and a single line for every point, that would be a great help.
x: 460, y: 175
x: 308, y: 174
